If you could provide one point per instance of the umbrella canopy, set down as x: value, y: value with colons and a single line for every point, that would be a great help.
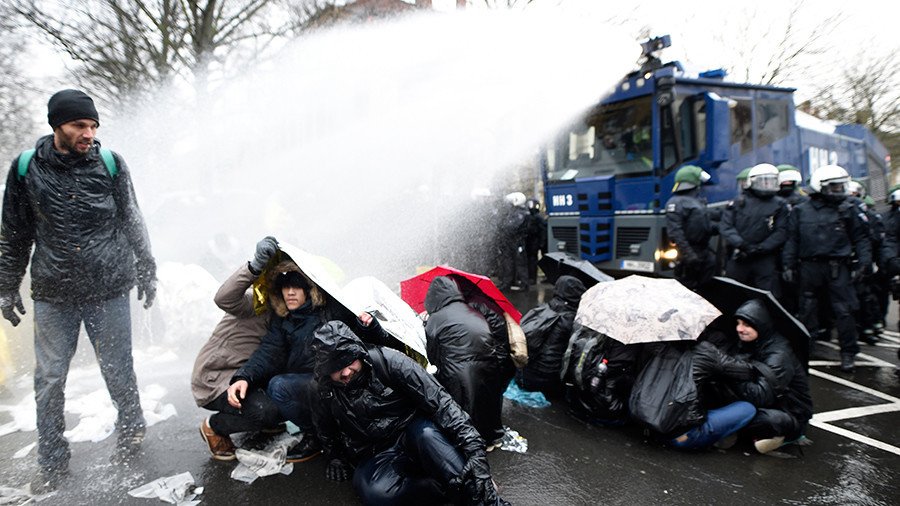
x: 638, y: 309
x: 322, y: 272
x: 728, y: 295
x: 555, y: 265
x: 474, y: 287
x: 394, y: 315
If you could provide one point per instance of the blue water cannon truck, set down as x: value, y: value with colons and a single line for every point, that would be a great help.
x: 608, y: 175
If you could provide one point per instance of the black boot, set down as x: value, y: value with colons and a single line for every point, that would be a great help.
x: 847, y: 362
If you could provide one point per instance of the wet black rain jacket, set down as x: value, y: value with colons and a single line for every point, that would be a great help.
x: 90, y: 241
x: 472, y: 360
x: 755, y: 224
x: 545, y: 358
x: 368, y: 415
x: 782, y: 382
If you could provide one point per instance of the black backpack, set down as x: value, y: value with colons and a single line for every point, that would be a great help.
x: 664, y: 396
x: 536, y: 324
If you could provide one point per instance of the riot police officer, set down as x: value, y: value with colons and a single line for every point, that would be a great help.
x: 871, y: 290
x: 755, y: 226
x: 689, y: 226
x: 742, y: 182
x: 513, y: 230
x: 823, y: 235
x: 789, y: 179
x: 536, y: 237
x: 890, y: 247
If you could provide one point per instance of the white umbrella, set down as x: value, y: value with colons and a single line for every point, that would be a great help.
x: 318, y: 270
x: 394, y: 315
x: 638, y: 309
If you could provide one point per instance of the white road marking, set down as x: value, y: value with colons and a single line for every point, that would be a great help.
x: 864, y: 356
x: 857, y: 386
x: 856, y: 437
x: 837, y: 363
x: 844, y: 414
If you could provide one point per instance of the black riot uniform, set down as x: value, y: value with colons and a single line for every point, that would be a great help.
x: 755, y: 226
x: 872, y: 289
x: 689, y: 226
x: 823, y: 236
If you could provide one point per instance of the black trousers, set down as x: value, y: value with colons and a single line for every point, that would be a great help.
x: 831, y: 279
x: 257, y: 412
x: 759, y: 271
x: 769, y: 423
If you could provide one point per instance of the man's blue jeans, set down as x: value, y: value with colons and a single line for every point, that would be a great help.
x: 56, y: 329
x: 720, y: 423
x: 296, y: 396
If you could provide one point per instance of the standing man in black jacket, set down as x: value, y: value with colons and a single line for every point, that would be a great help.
x: 824, y: 233
x: 755, y: 226
x: 74, y: 202
x: 689, y: 226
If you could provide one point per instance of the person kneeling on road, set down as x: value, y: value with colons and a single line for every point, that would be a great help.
x: 409, y: 442
x: 780, y: 391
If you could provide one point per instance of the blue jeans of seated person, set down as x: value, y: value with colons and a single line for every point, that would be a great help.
x: 415, y: 470
x: 295, y: 395
x: 720, y: 423
x: 56, y: 329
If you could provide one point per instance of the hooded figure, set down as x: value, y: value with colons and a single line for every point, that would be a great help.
x: 780, y: 391
x: 409, y: 441
x: 548, y: 328
x: 470, y: 349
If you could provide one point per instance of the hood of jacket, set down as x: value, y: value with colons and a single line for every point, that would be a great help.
x: 336, y: 347
x: 754, y: 312
x: 569, y: 290
x: 442, y: 292
x: 275, y: 298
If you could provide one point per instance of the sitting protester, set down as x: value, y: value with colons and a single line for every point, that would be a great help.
x: 284, y: 362
x: 668, y: 395
x: 548, y: 328
x: 780, y: 391
x: 469, y: 346
x: 233, y: 341
x: 406, y: 439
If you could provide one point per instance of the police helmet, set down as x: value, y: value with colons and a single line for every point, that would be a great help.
x: 533, y: 204
x: 690, y: 177
x: 830, y: 181
x: 857, y: 189
x: 894, y: 195
x: 516, y: 199
x: 789, y: 175
x: 763, y: 179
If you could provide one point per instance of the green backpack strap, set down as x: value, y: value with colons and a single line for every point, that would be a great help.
x: 110, y: 161
x: 107, y: 155
x: 24, y: 160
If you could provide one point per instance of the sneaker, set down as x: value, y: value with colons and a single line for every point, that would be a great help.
x: 47, y: 481
x: 127, y: 447
x: 220, y: 447
x: 307, y: 449
x: 767, y: 445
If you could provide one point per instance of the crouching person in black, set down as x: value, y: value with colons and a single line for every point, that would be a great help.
x: 406, y: 439
x: 780, y: 391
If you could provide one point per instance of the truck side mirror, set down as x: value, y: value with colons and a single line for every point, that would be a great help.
x: 718, y: 130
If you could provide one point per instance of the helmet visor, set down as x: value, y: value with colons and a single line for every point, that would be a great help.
x: 764, y: 183
x: 835, y: 188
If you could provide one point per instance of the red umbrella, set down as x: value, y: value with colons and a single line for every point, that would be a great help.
x: 474, y: 287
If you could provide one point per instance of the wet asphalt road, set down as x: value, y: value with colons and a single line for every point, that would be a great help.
x: 567, y: 463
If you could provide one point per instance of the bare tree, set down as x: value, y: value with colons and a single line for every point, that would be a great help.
x: 125, y: 47
x: 868, y: 94
x: 16, y: 95
x: 784, y: 50
x: 505, y: 4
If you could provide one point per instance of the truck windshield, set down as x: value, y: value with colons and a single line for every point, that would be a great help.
x: 612, y: 139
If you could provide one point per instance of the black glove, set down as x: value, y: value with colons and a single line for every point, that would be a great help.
x: 689, y: 257
x: 789, y: 275
x: 893, y: 266
x: 338, y: 470
x: 476, y: 480
x: 9, y: 302
x: 146, y: 282
x: 265, y: 249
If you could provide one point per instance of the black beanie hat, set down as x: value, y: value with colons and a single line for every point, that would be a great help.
x: 70, y: 105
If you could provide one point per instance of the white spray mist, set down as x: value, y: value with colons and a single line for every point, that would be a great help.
x: 364, y: 143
